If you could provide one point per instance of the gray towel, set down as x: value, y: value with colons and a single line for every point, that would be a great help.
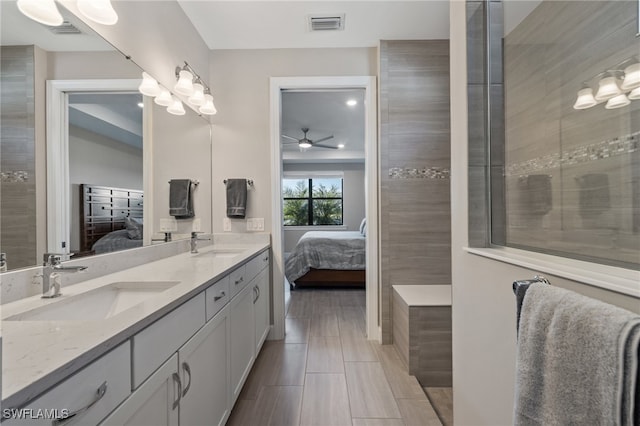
x: 180, y: 198
x: 236, y: 198
x: 577, y: 360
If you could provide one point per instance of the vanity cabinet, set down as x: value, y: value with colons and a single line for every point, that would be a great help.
x: 261, y: 308
x: 84, y: 398
x: 242, y: 347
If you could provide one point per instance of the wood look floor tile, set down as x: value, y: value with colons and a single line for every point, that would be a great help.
x: 278, y: 406
x: 402, y: 384
x: 242, y: 413
x: 377, y: 422
x: 324, y: 325
x: 357, y: 348
x: 418, y: 412
x: 325, y: 401
x: 442, y: 401
x: 297, y: 330
x: 325, y: 355
x: 369, y: 391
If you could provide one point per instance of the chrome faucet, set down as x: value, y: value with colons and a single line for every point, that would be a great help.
x: 194, y: 241
x: 51, y: 267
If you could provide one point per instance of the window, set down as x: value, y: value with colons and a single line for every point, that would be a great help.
x: 312, y: 201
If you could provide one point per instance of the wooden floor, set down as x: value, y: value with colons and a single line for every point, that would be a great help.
x: 327, y: 373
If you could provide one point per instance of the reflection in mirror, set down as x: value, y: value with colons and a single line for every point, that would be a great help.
x: 33, y: 54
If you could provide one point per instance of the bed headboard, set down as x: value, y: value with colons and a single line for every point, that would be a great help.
x: 103, y: 209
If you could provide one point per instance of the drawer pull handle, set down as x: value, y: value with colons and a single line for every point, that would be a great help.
x: 216, y: 298
x: 98, y: 396
x: 265, y: 259
x: 256, y: 292
x: 176, y: 379
x: 186, y: 368
x: 238, y: 281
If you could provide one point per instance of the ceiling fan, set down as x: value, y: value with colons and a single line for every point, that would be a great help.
x: 308, y: 143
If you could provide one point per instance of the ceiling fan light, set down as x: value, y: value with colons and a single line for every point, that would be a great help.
x: 100, y: 11
x: 176, y: 107
x: 43, y: 11
x: 340, y: 145
x: 631, y: 77
x: 607, y: 88
x: 304, y: 144
x: 617, y: 102
x: 208, y: 108
x: 184, y: 86
x: 634, y: 94
x: 164, y: 98
x: 149, y: 85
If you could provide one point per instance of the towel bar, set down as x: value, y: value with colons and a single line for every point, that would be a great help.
x: 193, y: 182
x: 249, y: 182
x: 520, y: 289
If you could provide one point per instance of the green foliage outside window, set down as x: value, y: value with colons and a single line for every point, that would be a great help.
x: 320, y: 206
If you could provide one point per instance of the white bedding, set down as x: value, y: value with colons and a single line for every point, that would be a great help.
x: 343, y: 250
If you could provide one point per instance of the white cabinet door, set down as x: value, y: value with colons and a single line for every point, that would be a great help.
x: 242, y: 353
x: 155, y: 403
x: 261, y: 307
x: 204, y: 368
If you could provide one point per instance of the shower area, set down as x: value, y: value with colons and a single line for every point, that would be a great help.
x: 554, y: 119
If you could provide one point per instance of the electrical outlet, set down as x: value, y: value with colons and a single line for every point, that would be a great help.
x: 255, y: 224
x: 196, y: 225
x: 168, y: 225
x: 226, y: 224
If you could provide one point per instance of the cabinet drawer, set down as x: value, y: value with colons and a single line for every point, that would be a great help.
x: 237, y: 280
x: 156, y: 343
x: 257, y: 264
x: 100, y: 388
x: 217, y: 296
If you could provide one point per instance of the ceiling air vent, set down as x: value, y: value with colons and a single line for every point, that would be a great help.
x: 65, y: 28
x: 326, y: 22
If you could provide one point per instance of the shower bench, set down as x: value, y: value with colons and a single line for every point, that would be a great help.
x: 422, y: 331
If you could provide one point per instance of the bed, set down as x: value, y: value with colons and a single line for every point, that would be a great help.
x: 327, y: 258
x: 110, y: 219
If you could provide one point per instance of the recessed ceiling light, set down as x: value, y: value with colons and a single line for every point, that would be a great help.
x: 141, y: 105
x: 352, y: 102
x: 340, y: 145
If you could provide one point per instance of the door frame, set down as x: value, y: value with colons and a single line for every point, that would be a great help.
x: 368, y: 83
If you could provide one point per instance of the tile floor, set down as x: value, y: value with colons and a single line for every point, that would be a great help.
x: 325, y: 372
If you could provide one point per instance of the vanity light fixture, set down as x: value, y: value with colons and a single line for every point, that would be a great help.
x: 149, y: 85
x: 43, y: 11
x: 607, y: 87
x: 585, y: 98
x: 617, y: 87
x: 100, y: 11
x: 208, y: 108
x: 634, y: 95
x: 184, y: 86
x: 617, y: 102
x: 197, y: 97
x: 176, y: 108
x: 164, y: 98
x: 631, y: 77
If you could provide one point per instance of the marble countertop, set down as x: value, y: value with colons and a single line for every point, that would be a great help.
x: 36, y: 355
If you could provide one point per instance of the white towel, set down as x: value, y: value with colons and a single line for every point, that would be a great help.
x: 577, y: 361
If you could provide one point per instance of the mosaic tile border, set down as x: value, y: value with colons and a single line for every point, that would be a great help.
x: 14, y: 176
x: 615, y: 147
x: 422, y: 173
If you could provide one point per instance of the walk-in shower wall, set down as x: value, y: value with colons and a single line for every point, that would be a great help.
x: 572, y: 176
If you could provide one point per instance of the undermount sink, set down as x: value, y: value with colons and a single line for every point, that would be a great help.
x: 221, y: 253
x: 101, y: 303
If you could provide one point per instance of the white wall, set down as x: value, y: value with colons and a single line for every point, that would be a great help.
x: 240, y: 84
x: 484, y: 335
x: 97, y: 160
x: 353, y: 196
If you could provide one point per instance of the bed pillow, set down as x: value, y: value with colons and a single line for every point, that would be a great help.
x: 134, y: 228
x: 364, y: 230
x: 363, y: 225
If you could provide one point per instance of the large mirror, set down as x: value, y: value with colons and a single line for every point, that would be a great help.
x: 81, y: 157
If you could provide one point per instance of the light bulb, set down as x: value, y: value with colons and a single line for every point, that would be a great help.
x: 100, y: 11
x: 631, y: 77
x: 304, y: 144
x: 340, y: 145
x: 208, y: 108
x: 352, y: 102
x: 617, y: 102
x: 44, y: 11
x: 149, y: 85
x: 176, y: 107
x: 634, y: 94
x: 197, y: 98
x: 585, y: 99
x: 607, y: 88
x: 164, y: 98
x: 184, y: 86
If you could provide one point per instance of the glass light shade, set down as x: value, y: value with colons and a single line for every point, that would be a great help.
x: 607, y: 88
x: 44, y: 11
x: 585, y: 99
x: 208, y: 108
x: 100, y: 11
x: 164, y: 98
x: 197, y: 98
x: 184, y: 86
x: 617, y: 102
x: 176, y: 107
x: 634, y: 94
x: 149, y: 85
x: 304, y: 144
x: 631, y: 77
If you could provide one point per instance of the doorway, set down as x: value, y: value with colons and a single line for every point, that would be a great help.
x: 308, y: 84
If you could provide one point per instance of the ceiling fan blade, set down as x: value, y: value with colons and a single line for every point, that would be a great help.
x: 323, y: 139
x: 319, y: 145
x: 289, y: 137
x: 290, y: 143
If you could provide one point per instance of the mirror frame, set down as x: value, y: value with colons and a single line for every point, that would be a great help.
x: 57, y: 147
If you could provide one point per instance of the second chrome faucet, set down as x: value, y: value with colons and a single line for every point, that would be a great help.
x: 51, y: 268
